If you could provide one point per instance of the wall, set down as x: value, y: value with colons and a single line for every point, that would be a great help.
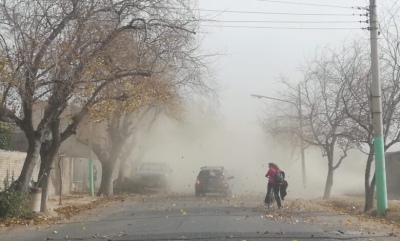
x: 12, y: 161
x: 393, y: 174
x: 18, y: 141
x: 71, y: 148
x: 63, y: 166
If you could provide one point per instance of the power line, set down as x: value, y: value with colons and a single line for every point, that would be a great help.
x: 308, y: 4
x: 274, y: 21
x: 277, y: 13
x: 267, y: 27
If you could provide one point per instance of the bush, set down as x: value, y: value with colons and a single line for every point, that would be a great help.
x: 14, y: 204
x: 5, y: 135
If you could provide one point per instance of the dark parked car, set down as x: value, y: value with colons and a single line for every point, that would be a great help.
x: 153, y: 175
x: 149, y: 175
x: 213, y: 180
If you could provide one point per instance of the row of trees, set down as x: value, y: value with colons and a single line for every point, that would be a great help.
x: 114, y: 60
x: 336, y: 103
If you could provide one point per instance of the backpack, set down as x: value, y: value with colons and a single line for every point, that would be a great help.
x: 279, y: 177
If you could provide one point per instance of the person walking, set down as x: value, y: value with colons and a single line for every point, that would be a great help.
x: 273, y: 174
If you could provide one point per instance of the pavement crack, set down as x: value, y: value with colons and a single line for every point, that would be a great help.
x: 183, y: 220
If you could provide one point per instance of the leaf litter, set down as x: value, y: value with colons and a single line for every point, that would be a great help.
x: 62, y: 213
x: 295, y: 211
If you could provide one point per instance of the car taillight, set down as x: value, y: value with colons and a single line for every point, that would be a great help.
x: 224, y: 181
x: 197, y: 182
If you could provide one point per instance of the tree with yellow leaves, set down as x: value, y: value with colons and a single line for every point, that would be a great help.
x: 115, y: 121
x: 70, y: 51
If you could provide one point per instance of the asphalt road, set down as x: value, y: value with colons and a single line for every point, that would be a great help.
x: 188, y: 218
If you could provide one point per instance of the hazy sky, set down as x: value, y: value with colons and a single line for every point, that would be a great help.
x: 254, y: 58
x: 251, y: 62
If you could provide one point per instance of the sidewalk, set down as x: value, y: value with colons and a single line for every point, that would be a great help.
x: 339, y: 215
x: 355, y: 206
x: 70, y: 205
x: 365, y: 223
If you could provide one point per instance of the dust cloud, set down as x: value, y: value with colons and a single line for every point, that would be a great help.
x: 204, y: 138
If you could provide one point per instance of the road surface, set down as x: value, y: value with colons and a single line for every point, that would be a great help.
x: 189, y: 218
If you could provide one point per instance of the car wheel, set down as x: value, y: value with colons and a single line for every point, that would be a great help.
x: 166, y: 187
x: 141, y: 190
x: 198, y: 193
x: 227, y: 194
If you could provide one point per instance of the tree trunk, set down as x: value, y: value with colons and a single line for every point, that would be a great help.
x: 29, y: 164
x: 106, y: 185
x: 124, y: 155
x: 108, y: 164
x: 369, y: 187
x: 329, y: 183
x: 369, y: 196
x: 44, y: 182
x: 48, y: 153
x: 329, y: 178
x: 122, y: 168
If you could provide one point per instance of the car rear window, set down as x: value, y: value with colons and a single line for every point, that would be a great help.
x: 210, y: 173
x: 153, y: 167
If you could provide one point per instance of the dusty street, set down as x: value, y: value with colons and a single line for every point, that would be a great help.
x: 183, y: 217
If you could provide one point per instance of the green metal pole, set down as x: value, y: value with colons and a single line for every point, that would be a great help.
x: 380, y: 172
x: 91, y: 184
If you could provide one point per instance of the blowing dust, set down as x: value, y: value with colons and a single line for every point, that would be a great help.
x: 203, y: 138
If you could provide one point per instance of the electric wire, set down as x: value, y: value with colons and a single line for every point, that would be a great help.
x: 273, y: 27
x: 275, y: 21
x: 307, y: 4
x: 277, y: 13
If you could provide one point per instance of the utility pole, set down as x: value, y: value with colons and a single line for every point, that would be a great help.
x: 380, y: 172
x: 303, y: 162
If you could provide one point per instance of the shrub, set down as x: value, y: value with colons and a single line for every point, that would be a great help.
x: 5, y: 135
x: 14, y: 204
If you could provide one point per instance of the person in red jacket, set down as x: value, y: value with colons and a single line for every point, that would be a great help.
x: 281, y: 182
x: 273, y: 170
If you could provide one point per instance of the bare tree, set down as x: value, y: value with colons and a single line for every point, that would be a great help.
x: 63, y: 51
x: 358, y: 101
x: 288, y: 139
x: 348, y: 69
x: 142, y: 121
x: 108, y: 152
x: 324, y: 114
x: 120, y: 127
x: 122, y: 120
x: 108, y: 137
x: 324, y: 117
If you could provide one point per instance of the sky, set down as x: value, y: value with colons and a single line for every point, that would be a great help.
x: 251, y: 61
x: 254, y: 59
